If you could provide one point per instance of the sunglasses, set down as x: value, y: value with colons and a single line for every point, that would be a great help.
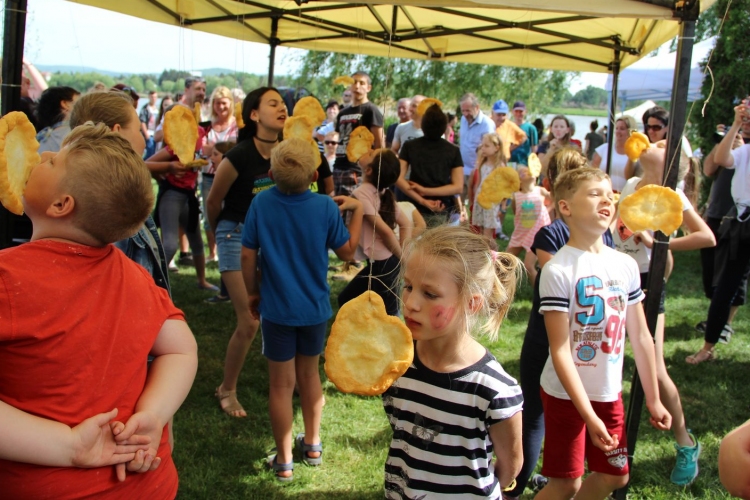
x: 655, y: 128
x: 331, y: 143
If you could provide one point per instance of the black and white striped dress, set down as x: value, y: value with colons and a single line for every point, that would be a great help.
x: 441, y: 446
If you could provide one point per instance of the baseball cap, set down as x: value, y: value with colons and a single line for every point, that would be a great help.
x: 519, y: 105
x: 500, y: 107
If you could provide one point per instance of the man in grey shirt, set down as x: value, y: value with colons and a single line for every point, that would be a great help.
x: 411, y: 129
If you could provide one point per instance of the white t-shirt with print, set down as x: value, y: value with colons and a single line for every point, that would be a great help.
x: 594, y: 289
x: 741, y: 179
x: 623, y: 237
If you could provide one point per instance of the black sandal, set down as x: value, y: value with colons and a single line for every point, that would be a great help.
x: 276, y: 467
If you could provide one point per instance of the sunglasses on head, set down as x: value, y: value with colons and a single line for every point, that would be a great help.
x: 331, y: 143
x: 655, y: 128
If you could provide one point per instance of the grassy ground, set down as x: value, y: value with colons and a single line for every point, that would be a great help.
x: 221, y: 457
x: 579, y: 111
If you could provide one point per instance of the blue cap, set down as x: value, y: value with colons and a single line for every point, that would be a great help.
x: 500, y: 107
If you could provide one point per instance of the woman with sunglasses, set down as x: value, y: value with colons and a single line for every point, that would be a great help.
x: 330, y: 141
x: 656, y: 127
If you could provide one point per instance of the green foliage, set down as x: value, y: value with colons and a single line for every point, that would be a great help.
x: 82, y: 82
x: 172, y: 75
x: 730, y: 65
x: 395, y: 78
x: 591, y: 96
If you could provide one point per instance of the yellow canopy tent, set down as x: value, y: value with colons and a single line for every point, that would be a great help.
x: 568, y: 35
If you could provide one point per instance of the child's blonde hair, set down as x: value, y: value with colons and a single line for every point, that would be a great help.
x: 108, y: 107
x: 109, y: 182
x: 476, y: 269
x: 498, y: 159
x: 562, y: 161
x: 569, y: 182
x: 292, y: 165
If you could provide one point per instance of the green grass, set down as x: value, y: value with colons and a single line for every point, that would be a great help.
x: 222, y: 457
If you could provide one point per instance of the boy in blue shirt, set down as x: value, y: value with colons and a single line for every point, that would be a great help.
x: 294, y: 228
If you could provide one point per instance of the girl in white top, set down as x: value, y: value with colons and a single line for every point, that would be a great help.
x: 638, y: 245
x: 489, y: 158
x: 623, y: 125
x: 378, y: 244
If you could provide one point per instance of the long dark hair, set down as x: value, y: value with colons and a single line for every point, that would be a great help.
x: 251, y: 103
x: 49, y: 110
x: 386, y: 164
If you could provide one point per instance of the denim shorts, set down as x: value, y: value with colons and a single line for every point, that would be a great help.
x: 282, y: 343
x: 229, y: 245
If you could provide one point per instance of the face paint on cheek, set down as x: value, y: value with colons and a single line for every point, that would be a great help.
x: 441, y: 316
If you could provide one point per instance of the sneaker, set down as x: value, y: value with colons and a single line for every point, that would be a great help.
x: 537, y: 482
x: 216, y: 299
x: 686, y: 469
x: 186, y: 259
x: 701, y: 327
x: 502, y: 236
x: 726, y: 334
x: 172, y: 268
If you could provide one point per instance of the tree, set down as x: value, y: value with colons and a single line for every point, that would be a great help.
x: 591, y: 96
x: 173, y: 75
x: 730, y: 65
x: 167, y: 86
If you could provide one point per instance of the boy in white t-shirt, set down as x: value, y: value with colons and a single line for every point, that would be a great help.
x: 590, y: 295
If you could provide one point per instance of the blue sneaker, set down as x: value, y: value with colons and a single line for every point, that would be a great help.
x: 686, y: 469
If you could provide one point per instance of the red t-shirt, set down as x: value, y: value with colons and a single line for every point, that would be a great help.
x: 76, y: 326
x: 187, y: 181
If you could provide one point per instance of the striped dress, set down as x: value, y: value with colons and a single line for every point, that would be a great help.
x: 441, y: 446
x: 531, y: 216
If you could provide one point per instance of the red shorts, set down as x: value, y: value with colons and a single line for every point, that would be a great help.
x: 567, y: 442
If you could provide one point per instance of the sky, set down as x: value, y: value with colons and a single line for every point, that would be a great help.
x: 69, y: 34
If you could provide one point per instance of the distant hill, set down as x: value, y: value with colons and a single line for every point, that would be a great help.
x: 87, y: 69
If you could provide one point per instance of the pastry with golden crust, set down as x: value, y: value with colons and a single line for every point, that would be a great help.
x: 181, y: 133
x: 360, y: 143
x: 367, y: 349
x: 652, y: 207
x: 636, y: 144
x: 343, y: 80
x: 310, y: 107
x: 426, y: 103
x: 18, y: 157
x: 499, y: 185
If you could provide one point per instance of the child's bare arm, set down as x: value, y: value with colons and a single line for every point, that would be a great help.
x: 559, y: 349
x: 161, y: 163
x: 346, y: 251
x: 700, y: 235
x: 643, y: 352
x: 506, y: 441
x: 34, y: 440
x: 249, y: 261
x: 734, y: 461
x: 405, y: 229
x: 169, y: 379
x: 456, y: 185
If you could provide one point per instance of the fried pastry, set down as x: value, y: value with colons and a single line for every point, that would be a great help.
x: 238, y: 115
x: 310, y: 107
x: 197, y: 112
x: 499, y: 185
x: 367, y: 349
x: 360, y: 143
x: 652, y: 207
x: 636, y: 144
x: 343, y: 80
x: 426, y: 103
x: 535, y: 165
x: 181, y: 133
x: 300, y: 127
x: 18, y: 156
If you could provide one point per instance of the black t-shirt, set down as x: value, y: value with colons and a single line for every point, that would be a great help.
x: 252, y: 178
x: 550, y: 239
x: 432, y: 162
x: 595, y: 140
x: 349, y: 118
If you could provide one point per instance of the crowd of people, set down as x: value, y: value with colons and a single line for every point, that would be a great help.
x: 404, y: 216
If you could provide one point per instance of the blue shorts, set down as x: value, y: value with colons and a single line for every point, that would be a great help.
x: 281, y: 343
x: 229, y: 245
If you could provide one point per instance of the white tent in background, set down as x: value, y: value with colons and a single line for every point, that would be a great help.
x: 637, y: 112
x: 651, y: 77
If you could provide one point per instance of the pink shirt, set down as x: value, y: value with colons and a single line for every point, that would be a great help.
x: 370, y: 244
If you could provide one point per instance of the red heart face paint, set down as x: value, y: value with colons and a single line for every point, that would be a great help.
x: 441, y: 316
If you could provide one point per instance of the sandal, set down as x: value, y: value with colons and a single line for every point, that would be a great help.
x: 276, y: 467
x: 305, y: 448
x: 233, y: 405
x: 700, y: 356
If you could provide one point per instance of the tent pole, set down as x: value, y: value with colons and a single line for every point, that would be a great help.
x: 655, y: 285
x: 612, y: 108
x: 273, y: 41
x: 12, y: 71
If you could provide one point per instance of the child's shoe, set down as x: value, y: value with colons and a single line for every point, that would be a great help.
x: 538, y: 482
x: 726, y: 334
x: 686, y: 469
x: 304, y: 450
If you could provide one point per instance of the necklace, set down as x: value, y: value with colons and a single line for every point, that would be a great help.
x: 266, y: 140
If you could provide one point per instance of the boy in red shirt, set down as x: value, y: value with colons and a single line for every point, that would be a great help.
x: 79, y: 320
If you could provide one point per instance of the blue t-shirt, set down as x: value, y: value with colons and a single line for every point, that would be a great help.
x: 550, y: 239
x: 520, y: 155
x: 294, y: 233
